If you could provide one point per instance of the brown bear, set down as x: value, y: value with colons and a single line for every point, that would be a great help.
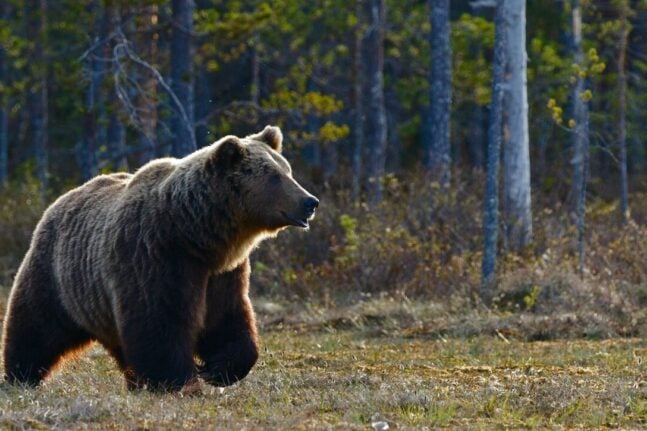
x: 155, y: 266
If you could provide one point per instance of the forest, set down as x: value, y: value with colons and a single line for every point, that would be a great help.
x: 479, y: 255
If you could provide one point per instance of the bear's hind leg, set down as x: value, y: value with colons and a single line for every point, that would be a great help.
x: 37, y: 333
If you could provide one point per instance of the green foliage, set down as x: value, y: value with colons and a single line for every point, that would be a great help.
x: 348, y: 255
x: 590, y: 69
x: 531, y: 299
x: 472, y: 40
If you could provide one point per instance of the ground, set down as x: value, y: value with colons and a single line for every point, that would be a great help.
x: 333, y: 376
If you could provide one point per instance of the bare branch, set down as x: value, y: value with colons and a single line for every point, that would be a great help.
x: 124, y: 47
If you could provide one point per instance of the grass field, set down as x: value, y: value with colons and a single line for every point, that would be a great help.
x: 326, y: 378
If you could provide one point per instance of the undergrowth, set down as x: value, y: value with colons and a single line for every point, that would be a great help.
x: 424, y: 243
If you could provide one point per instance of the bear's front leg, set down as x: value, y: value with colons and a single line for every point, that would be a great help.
x: 227, y: 345
x: 228, y: 354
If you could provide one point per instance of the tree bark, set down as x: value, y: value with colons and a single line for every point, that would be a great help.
x: 36, y: 12
x: 116, y: 132
x: 373, y: 54
x: 255, y: 81
x: 581, y: 135
x: 147, y: 100
x: 516, y: 154
x: 4, y: 109
x: 358, y: 109
x: 116, y: 137
x: 622, y: 108
x: 475, y: 136
x: 182, y: 123
x: 436, y: 125
x: 87, y: 151
x: 394, y: 145
x: 491, y: 207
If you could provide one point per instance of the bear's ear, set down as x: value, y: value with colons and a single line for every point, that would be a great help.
x: 229, y: 151
x: 271, y: 135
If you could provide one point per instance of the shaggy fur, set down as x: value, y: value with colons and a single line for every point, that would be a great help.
x: 155, y: 266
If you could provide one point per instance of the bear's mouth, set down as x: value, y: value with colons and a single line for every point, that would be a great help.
x: 299, y: 222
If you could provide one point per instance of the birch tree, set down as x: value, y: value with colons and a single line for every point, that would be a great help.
x: 516, y: 154
x: 373, y: 57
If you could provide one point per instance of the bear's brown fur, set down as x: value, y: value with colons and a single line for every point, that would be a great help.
x: 155, y: 266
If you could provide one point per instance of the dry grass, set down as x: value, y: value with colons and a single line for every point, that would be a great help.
x: 314, y: 376
x: 374, y: 316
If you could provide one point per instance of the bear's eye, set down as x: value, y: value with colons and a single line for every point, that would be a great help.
x: 275, y: 179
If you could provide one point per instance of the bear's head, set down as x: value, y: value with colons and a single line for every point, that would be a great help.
x: 267, y: 195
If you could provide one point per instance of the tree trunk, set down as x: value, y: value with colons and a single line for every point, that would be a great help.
x: 116, y: 132
x: 581, y: 135
x: 373, y: 56
x: 4, y: 109
x: 255, y: 81
x: 329, y: 160
x: 116, y: 137
x: 358, y: 110
x: 182, y: 122
x: 36, y: 12
x: 147, y: 99
x: 491, y: 207
x: 436, y: 126
x: 516, y: 154
x: 622, y: 108
x: 475, y: 136
x: 394, y: 145
x: 87, y: 151
x: 203, y: 106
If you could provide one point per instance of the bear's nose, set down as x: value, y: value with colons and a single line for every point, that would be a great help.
x: 311, y: 203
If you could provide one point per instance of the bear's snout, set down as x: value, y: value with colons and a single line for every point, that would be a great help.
x: 310, y: 204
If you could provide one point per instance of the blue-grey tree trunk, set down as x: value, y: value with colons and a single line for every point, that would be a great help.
x: 376, y: 127
x: 436, y: 126
x: 36, y: 12
x: 475, y: 138
x: 146, y: 94
x: 87, y: 151
x: 4, y: 109
x: 622, y: 108
x: 491, y: 204
x: 116, y: 131
x: 182, y: 121
x: 358, y: 109
x: 516, y: 146
x: 580, y: 159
